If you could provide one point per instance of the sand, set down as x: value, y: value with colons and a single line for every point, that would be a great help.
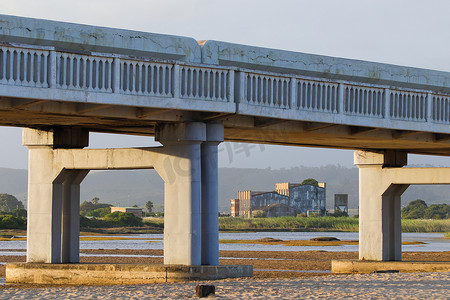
x: 278, y: 275
x: 368, y: 286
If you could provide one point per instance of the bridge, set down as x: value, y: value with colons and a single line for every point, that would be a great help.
x: 61, y: 81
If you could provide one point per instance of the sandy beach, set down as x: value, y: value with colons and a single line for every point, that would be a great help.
x: 278, y: 275
x: 368, y: 286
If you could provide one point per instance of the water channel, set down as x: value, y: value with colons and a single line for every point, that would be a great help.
x: 433, y: 242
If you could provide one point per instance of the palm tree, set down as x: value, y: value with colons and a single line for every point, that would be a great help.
x: 148, y: 207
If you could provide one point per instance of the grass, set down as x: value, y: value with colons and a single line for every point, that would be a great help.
x: 156, y: 225
x: 321, y: 224
x: 426, y: 225
x: 288, y: 224
x: 447, y: 235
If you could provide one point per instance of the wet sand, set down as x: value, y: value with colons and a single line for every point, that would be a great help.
x: 267, y: 264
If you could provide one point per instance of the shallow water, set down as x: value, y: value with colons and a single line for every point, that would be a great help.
x: 434, y: 242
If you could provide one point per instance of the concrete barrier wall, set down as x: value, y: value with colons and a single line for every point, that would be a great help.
x: 273, y: 60
x: 79, y: 37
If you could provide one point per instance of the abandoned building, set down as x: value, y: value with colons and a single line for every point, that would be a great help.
x: 288, y: 199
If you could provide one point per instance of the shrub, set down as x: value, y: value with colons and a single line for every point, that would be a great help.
x: 99, y: 212
x: 310, y: 181
x: 259, y: 214
x: 12, y: 222
x: 92, y: 223
x: 338, y: 213
x: 122, y: 219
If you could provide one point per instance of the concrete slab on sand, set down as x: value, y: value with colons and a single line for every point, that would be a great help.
x: 367, y: 266
x: 106, y: 274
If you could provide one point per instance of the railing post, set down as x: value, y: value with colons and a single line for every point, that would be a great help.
x: 52, y: 70
x: 176, y: 81
x: 239, y: 87
x: 230, y: 92
x: 340, y: 98
x: 293, y: 94
x: 116, y: 78
x: 387, y: 102
x: 429, y: 112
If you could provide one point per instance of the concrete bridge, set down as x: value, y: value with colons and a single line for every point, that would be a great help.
x: 61, y: 81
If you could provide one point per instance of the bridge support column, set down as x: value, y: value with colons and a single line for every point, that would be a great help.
x: 379, y: 206
x: 53, y: 197
x: 210, y: 195
x: 181, y: 172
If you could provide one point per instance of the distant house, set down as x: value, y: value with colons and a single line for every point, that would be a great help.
x: 138, y: 212
x: 288, y: 199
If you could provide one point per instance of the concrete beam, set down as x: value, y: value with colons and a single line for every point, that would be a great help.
x: 85, y: 38
x: 386, y: 158
x: 288, y: 62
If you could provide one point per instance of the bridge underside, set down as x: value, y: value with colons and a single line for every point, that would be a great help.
x: 44, y: 114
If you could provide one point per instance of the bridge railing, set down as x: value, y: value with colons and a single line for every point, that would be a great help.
x: 83, y: 72
x: 341, y: 97
x: 44, y: 67
x: 24, y: 66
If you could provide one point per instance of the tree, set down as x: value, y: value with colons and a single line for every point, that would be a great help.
x: 310, y: 181
x: 148, y: 207
x: 99, y: 212
x: 123, y: 219
x: 8, y: 203
x: 20, y: 213
x: 95, y: 200
x: 88, y: 206
x: 437, y: 211
x: 414, y: 210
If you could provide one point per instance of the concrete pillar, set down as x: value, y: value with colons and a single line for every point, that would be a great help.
x: 210, y: 194
x: 70, y: 234
x: 181, y: 172
x: 379, y: 205
x: 49, y: 190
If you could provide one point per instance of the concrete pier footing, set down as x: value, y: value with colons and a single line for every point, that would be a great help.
x: 367, y: 266
x: 110, y: 274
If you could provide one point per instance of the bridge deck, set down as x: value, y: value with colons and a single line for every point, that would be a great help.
x: 59, y: 74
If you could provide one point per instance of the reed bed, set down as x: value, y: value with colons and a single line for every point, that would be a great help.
x: 321, y: 224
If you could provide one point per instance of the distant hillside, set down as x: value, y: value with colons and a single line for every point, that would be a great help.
x: 14, y: 182
x: 127, y: 188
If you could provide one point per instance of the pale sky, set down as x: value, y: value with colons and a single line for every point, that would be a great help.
x: 402, y: 32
